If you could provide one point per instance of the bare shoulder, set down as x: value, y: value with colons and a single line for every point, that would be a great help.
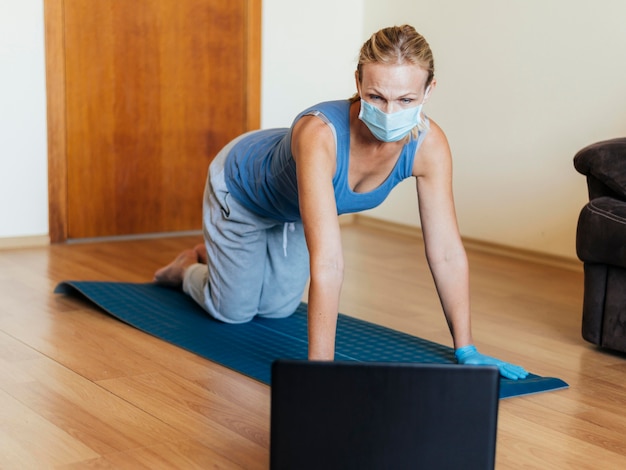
x: 433, y: 153
x: 311, y: 135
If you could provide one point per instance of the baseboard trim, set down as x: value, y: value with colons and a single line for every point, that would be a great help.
x: 470, y: 244
x: 11, y: 243
x: 347, y: 219
x: 474, y: 245
x: 139, y: 236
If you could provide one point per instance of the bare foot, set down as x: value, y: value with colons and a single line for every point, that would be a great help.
x: 200, y: 250
x: 172, y: 274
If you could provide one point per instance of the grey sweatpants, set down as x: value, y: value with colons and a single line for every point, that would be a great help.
x: 257, y: 266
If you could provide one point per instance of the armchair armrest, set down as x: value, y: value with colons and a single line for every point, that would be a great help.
x: 601, y: 232
x: 604, y: 164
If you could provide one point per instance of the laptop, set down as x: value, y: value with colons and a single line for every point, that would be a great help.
x: 359, y: 415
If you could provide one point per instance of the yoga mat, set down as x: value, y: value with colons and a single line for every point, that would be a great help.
x: 250, y: 348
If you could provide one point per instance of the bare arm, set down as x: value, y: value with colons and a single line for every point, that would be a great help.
x: 314, y: 151
x: 444, y: 249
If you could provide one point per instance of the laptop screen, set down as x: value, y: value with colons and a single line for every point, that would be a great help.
x: 355, y: 415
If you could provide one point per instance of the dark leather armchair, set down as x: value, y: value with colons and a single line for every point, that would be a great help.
x: 601, y: 243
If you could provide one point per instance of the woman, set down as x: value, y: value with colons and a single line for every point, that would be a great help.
x: 272, y: 201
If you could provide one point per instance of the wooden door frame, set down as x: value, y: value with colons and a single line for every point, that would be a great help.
x: 56, y: 103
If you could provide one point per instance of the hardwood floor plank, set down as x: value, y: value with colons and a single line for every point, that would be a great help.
x: 28, y: 440
x: 524, y: 443
x: 211, y: 419
x: 188, y: 455
x: 89, y: 413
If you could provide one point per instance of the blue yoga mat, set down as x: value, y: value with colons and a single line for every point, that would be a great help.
x: 250, y: 348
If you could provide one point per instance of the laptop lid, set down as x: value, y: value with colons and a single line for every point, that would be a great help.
x: 355, y: 415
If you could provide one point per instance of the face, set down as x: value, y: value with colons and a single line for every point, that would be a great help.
x: 392, y: 88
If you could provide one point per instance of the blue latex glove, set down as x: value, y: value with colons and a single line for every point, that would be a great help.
x: 469, y: 355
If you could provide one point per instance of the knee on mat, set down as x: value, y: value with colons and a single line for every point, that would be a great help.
x: 281, y: 311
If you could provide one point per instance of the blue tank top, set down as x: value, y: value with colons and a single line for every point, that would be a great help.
x: 260, y: 170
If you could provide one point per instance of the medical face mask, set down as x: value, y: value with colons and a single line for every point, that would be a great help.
x: 389, y: 127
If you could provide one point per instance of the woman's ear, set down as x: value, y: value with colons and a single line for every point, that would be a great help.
x: 429, y: 90
x: 356, y: 80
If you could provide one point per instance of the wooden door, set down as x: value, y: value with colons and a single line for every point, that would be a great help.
x: 141, y: 96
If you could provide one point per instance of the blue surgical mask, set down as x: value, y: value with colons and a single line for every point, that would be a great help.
x: 390, y: 127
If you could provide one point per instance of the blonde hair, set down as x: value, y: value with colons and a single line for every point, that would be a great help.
x: 397, y: 45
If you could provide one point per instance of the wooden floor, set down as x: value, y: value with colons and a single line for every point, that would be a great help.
x: 79, y: 389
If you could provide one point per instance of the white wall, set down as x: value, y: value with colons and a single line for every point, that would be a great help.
x: 23, y: 151
x: 521, y: 87
x: 310, y: 51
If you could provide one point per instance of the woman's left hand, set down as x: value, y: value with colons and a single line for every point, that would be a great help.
x: 470, y: 355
